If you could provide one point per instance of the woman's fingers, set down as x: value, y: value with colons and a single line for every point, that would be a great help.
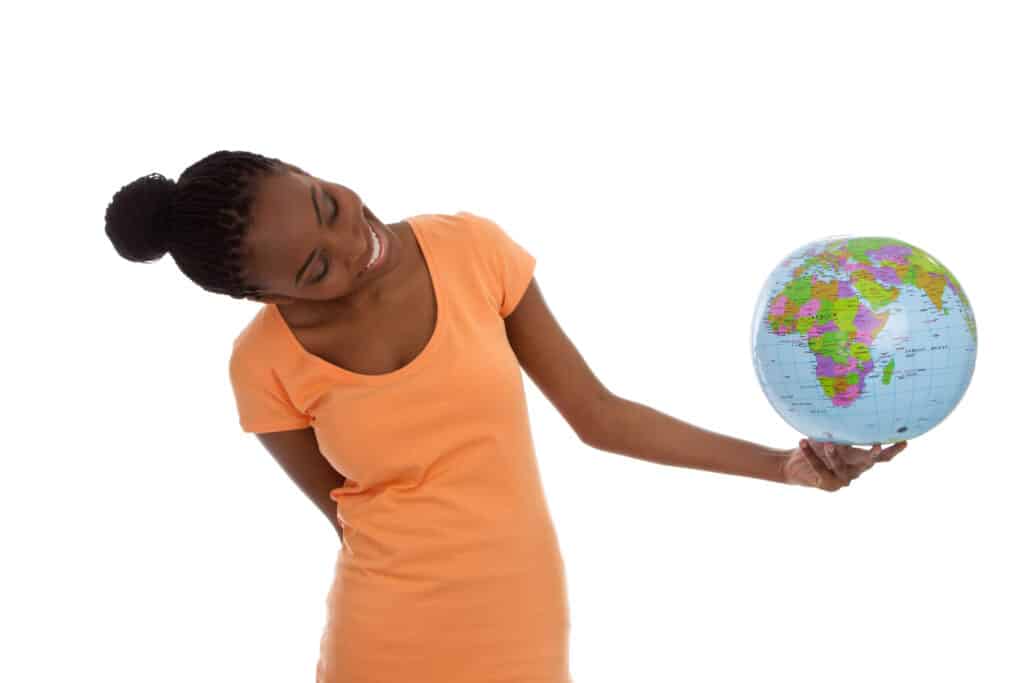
x: 822, y: 451
x: 858, y: 461
x: 890, y: 452
x: 827, y: 478
x: 862, y: 459
x: 801, y: 470
x: 835, y: 463
x: 838, y: 465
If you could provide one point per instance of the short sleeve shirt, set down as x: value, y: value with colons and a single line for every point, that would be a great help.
x: 450, y: 568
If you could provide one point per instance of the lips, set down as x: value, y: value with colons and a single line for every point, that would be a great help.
x: 369, y: 257
x: 369, y: 248
x: 369, y: 242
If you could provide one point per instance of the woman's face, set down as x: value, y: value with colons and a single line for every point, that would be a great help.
x: 310, y: 240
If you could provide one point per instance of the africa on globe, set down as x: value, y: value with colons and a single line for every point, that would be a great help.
x: 863, y: 340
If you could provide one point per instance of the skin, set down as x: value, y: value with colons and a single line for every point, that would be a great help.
x: 832, y: 466
x: 284, y: 229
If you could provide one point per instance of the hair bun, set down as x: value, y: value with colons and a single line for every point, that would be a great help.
x: 138, y: 218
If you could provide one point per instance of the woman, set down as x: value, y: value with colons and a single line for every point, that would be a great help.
x: 383, y: 373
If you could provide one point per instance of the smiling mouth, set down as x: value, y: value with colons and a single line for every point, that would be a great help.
x: 376, y: 245
x: 369, y: 239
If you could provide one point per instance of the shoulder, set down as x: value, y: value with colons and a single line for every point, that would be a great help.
x: 460, y: 223
x: 254, y: 344
x: 461, y: 232
x: 251, y: 332
x: 464, y: 224
x: 263, y: 381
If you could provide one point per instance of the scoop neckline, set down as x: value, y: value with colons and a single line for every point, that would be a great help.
x: 421, y: 357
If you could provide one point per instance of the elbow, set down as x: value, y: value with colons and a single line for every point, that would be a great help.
x: 592, y: 424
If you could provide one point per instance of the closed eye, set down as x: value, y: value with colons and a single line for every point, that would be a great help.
x: 323, y: 273
x: 334, y: 215
x: 334, y: 205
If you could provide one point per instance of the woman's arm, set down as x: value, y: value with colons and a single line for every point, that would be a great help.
x: 298, y: 454
x: 608, y: 422
x: 638, y: 431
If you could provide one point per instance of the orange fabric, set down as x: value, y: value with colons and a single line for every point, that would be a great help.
x: 450, y: 569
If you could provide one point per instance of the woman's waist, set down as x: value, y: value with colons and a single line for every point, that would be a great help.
x: 409, y: 551
x: 526, y: 578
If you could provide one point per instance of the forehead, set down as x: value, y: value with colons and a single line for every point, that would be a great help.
x: 280, y: 205
x: 280, y: 216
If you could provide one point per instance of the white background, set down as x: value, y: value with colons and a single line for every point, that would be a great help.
x: 633, y: 148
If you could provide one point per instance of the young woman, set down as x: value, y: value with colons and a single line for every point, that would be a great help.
x: 383, y: 374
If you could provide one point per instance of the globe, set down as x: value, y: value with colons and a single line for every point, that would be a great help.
x: 863, y: 340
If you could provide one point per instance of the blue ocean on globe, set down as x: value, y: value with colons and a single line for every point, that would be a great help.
x: 863, y: 340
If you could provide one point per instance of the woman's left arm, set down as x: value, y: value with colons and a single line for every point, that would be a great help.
x: 605, y: 421
x: 639, y: 431
x: 626, y: 427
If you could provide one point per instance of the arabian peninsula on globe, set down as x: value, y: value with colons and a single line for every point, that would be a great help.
x: 863, y: 340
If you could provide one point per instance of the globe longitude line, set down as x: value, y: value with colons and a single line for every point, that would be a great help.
x: 947, y: 369
x: 931, y: 369
x: 874, y: 398
x: 951, y: 390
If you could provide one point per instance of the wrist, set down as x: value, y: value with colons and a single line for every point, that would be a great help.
x: 782, y: 460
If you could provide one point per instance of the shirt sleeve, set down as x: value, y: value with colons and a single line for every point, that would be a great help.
x: 508, y: 266
x: 262, y: 402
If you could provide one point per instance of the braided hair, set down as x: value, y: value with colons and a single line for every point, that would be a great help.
x: 201, y: 220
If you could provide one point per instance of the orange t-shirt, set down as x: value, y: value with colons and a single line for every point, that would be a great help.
x: 450, y: 569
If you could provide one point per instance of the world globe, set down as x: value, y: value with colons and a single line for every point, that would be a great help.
x: 863, y: 340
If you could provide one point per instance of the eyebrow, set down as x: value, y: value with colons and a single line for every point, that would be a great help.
x: 320, y: 221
